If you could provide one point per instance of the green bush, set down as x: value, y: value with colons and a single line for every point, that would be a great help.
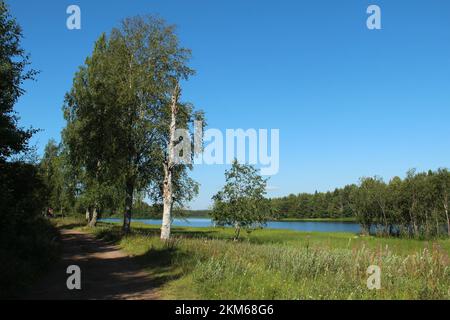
x: 28, y: 241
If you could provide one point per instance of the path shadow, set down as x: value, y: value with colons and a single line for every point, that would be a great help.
x: 106, y: 272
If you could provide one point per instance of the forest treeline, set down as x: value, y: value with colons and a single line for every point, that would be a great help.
x: 416, y: 206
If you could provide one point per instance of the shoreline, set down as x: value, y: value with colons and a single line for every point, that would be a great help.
x: 349, y: 219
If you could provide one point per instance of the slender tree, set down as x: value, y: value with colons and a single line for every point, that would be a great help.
x: 442, y: 184
x: 169, y: 165
x: 177, y: 187
x: 241, y: 202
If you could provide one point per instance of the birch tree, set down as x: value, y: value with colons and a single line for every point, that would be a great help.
x: 169, y: 165
x: 177, y: 187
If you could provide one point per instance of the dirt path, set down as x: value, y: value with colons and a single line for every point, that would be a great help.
x: 106, y: 272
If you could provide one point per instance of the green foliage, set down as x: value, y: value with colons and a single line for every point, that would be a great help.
x: 317, y: 205
x: 241, y: 201
x: 13, y: 72
x: 27, y: 241
x: 60, y: 184
x: 416, y: 206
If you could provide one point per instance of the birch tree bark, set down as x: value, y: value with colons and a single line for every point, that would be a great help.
x: 93, y: 221
x: 168, y: 169
x: 128, y: 206
x: 446, y: 213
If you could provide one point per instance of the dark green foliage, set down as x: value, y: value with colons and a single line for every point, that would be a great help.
x: 27, y: 240
x: 318, y: 205
x: 13, y: 65
x: 51, y: 172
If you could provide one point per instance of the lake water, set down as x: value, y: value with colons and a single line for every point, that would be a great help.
x: 319, y: 226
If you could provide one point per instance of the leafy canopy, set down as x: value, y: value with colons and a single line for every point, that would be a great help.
x: 241, y: 202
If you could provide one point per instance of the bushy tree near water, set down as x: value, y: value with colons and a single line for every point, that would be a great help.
x: 241, y: 203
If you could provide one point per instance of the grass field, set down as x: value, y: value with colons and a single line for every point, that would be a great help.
x: 204, y: 263
x: 349, y: 219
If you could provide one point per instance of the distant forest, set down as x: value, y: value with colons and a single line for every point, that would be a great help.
x: 144, y: 210
x: 417, y: 205
x: 331, y: 204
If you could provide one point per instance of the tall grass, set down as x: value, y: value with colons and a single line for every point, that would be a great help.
x: 222, y: 269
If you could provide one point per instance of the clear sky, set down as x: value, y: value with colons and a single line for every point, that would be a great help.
x: 349, y: 102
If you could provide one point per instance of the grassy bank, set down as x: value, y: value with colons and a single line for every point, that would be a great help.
x: 203, y: 263
x: 348, y: 219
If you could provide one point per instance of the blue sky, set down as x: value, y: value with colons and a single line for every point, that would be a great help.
x: 349, y: 102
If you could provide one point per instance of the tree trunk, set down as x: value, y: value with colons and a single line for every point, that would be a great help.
x: 128, y: 206
x: 168, y: 169
x: 167, y: 202
x: 447, y: 217
x: 88, y: 215
x: 93, y: 221
x: 237, y: 231
x: 412, y: 216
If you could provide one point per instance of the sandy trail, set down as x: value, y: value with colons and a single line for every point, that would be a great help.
x: 106, y: 272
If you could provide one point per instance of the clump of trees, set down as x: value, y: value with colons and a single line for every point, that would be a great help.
x: 122, y: 113
x: 241, y: 203
x: 416, y: 206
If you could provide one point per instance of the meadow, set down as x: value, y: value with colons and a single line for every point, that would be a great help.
x: 204, y: 263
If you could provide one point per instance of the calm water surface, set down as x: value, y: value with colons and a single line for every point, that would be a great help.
x: 319, y: 226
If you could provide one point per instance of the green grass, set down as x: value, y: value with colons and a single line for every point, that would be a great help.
x: 348, y: 219
x: 325, y: 240
x: 204, y: 263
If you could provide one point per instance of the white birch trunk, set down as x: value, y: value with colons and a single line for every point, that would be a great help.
x: 447, y: 216
x: 93, y: 221
x: 168, y: 170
